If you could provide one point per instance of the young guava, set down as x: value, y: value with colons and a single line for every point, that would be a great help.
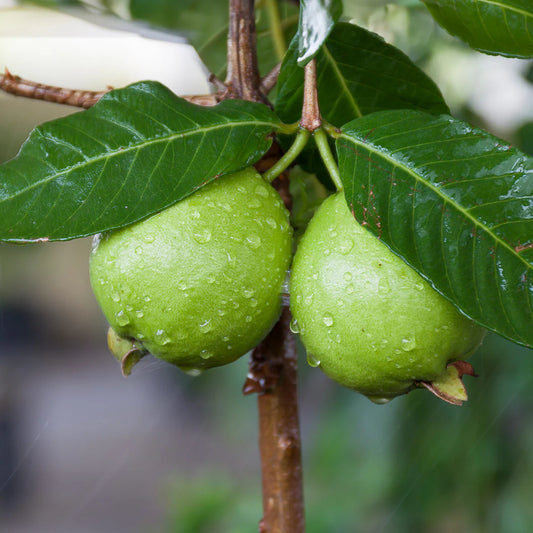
x: 369, y: 320
x: 198, y: 284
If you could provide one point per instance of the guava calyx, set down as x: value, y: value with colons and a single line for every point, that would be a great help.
x: 128, y: 352
x: 449, y: 385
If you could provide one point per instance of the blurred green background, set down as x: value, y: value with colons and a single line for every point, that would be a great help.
x: 83, y: 450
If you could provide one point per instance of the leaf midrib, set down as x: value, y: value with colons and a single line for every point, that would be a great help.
x: 108, y: 155
x: 438, y: 192
x: 341, y: 79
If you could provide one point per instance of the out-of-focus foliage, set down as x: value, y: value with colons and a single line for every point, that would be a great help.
x: 416, y: 464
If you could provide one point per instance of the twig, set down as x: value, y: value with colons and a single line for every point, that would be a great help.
x: 269, y: 81
x: 311, y: 119
x: 31, y: 89
x: 75, y: 97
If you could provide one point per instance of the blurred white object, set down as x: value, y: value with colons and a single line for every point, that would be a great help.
x: 89, y: 53
x: 57, y: 48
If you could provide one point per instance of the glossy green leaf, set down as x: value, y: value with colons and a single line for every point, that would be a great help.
x: 455, y: 202
x: 137, y: 151
x: 317, y: 19
x: 492, y: 26
x: 357, y: 73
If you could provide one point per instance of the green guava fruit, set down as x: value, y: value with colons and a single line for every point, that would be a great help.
x: 200, y: 283
x: 369, y: 320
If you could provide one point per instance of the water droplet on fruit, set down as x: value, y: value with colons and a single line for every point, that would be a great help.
x: 149, y: 238
x: 327, y: 319
x: 139, y: 313
x: 340, y: 302
x: 253, y: 302
x: 350, y: 288
x: 202, y: 235
x: 147, y: 298
x: 408, y: 343
x: 129, y: 307
x: 248, y: 318
x: 383, y: 286
x: 254, y: 241
x: 271, y: 222
x: 139, y: 250
x: 248, y: 293
x: 379, y: 400
x: 206, y: 354
x: 294, y: 326
x: 261, y: 190
x: 347, y: 276
x: 254, y: 203
x: 346, y: 246
x: 332, y: 232
x: 115, y: 297
x: 327, y: 251
x: 122, y: 318
x: 419, y: 286
x: 206, y: 327
x: 313, y: 360
x: 161, y: 337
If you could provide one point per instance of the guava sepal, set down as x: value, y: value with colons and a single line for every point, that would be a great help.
x: 449, y: 386
x: 128, y: 352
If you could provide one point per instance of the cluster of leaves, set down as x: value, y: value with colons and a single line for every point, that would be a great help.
x: 453, y: 201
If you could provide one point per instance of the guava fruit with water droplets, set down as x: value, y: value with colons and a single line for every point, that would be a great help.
x: 198, y: 284
x: 369, y: 320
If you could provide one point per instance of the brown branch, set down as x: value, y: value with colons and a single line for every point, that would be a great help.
x: 269, y: 81
x: 18, y: 86
x: 38, y: 91
x: 243, y: 79
x: 273, y: 373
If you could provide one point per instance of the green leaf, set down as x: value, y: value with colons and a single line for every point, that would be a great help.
x: 317, y: 19
x: 453, y: 201
x: 358, y: 73
x: 493, y: 26
x: 139, y: 150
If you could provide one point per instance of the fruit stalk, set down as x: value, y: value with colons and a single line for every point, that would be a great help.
x: 273, y: 365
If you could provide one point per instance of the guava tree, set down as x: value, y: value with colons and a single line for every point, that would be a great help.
x: 425, y: 241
